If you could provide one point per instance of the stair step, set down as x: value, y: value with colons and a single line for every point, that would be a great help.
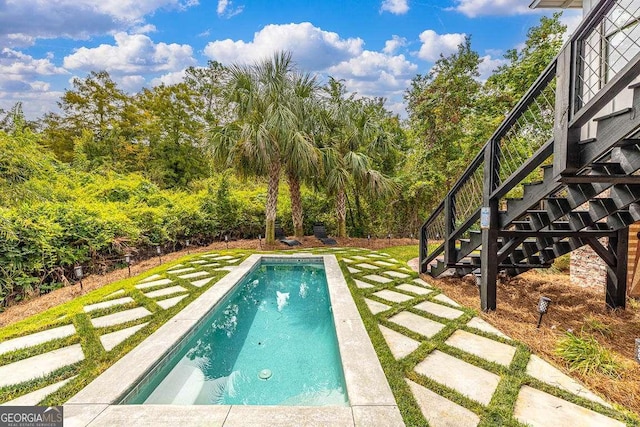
x: 579, y: 220
x: 620, y: 219
x: 557, y: 207
x: 606, y: 168
x: 601, y: 208
x: 613, y: 115
x: 628, y: 156
x: 586, y: 141
x: 560, y: 225
x: 624, y: 195
x: 522, y: 225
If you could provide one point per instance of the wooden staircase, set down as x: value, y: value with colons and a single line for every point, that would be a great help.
x: 569, y: 193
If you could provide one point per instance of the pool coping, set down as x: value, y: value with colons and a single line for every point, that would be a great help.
x: 370, y: 397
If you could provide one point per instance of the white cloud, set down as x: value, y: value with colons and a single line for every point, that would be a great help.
x: 132, y: 54
x: 434, y: 44
x: 396, y: 42
x: 225, y: 9
x: 311, y: 47
x: 489, y: 65
x: 144, y: 29
x: 397, y: 7
x: 475, y: 8
x: 24, y: 21
x: 15, y: 65
x: 169, y: 78
x: 131, y: 84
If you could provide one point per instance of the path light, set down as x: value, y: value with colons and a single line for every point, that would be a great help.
x: 226, y: 240
x: 637, y: 352
x: 369, y: 240
x: 411, y: 235
x: 260, y: 240
x: 127, y: 258
x: 543, y: 306
x: 159, y: 252
x: 186, y: 243
x: 389, y: 238
x: 77, y: 270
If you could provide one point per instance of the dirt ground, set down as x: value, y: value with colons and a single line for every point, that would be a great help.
x: 573, y: 308
x: 41, y: 303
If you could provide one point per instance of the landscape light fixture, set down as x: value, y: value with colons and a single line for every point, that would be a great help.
x: 637, y: 350
x: 260, y: 240
x: 186, y: 243
x: 389, y: 237
x: 159, y: 252
x: 543, y: 307
x: 77, y: 270
x: 127, y: 258
x: 369, y: 240
x: 226, y: 240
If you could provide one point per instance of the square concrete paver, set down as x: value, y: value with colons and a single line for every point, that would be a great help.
x: 213, y: 264
x: 538, y: 409
x: 376, y: 307
x: 107, y: 304
x: 199, y: 261
x: 486, y: 348
x: 415, y: 323
x: 37, y: 338
x: 209, y: 255
x: 467, y: 379
x: 392, y: 296
x: 192, y: 275
x: 445, y: 299
x: 120, y: 317
x: 150, y: 278
x: 439, y: 310
x: 439, y: 411
x: 482, y: 325
x: 200, y: 283
x: 363, y: 285
x: 367, y: 266
x: 165, y: 291
x: 227, y: 268
x: 419, y: 290
x: 223, y: 257
x: 109, y: 341
x: 233, y: 261
x: 40, y: 365
x: 116, y: 293
x: 35, y: 397
x: 422, y: 283
x: 384, y: 263
x: 396, y: 274
x: 153, y: 283
x: 170, y: 302
x: 360, y: 257
x: 353, y: 270
x: 347, y: 260
x: 400, y: 345
x: 181, y: 270
x: 379, y: 279
x: 545, y: 372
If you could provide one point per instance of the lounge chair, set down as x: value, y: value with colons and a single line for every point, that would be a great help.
x: 279, y: 233
x: 320, y: 232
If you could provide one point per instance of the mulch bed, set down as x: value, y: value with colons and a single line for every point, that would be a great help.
x: 573, y: 308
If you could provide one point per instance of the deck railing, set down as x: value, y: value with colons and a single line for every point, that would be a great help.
x: 601, y: 55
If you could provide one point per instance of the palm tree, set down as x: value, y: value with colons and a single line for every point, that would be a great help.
x: 269, y: 102
x: 352, y: 129
x: 301, y: 156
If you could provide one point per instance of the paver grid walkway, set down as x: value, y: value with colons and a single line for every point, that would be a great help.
x: 452, y: 353
x: 37, y: 359
x: 468, y: 358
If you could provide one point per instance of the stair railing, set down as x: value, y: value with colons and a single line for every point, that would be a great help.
x: 532, y: 131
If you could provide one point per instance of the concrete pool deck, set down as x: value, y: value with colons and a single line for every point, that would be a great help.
x: 371, y: 401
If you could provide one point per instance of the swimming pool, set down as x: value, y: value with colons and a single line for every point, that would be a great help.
x: 272, y: 341
x: 371, y: 401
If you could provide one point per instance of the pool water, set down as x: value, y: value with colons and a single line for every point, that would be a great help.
x: 272, y: 341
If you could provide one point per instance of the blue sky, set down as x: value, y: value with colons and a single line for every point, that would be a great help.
x: 376, y: 46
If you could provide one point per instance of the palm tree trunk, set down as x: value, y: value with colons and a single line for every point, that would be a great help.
x: 272, y: 202
x: 341, y: 212
x: 296, y: 205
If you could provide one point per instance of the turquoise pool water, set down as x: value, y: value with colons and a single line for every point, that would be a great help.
x: 272, y: 341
